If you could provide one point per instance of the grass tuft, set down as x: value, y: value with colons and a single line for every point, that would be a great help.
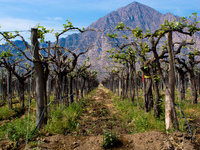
x: 137, y: 120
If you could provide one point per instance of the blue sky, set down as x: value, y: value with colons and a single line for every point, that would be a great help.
x: 24, y: 14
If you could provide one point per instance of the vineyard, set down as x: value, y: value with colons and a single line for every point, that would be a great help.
x: 50, y: 99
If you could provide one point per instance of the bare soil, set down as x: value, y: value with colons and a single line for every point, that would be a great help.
x: 100, y: 115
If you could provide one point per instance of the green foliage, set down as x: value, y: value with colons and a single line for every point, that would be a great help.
x: 137, y: 120
x: 138, y: 33
x: 6, y: 113
x: 27, y: 65
x: 17, y: 128
x: 88, y: 58
x: 120, y: 26
x: 6, y: 54
x: 112, y: 35
x: 124, y: 36
x: 17, y: 32
x: 156, y: 78
x: 146, y: 67
x: 122, y: 56
x: 109, y: 140
x: 8, y: 35
x: 64, y: 119
x: 148, y: 33
x: 42, y: 31
x: 33, y: 144
x: 181, y: 24
x: 19, y: 54
x: 68, y: 25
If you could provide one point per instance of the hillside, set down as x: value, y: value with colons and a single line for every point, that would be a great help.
x: 132, y: 15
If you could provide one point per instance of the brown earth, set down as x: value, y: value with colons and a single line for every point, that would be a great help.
x: 99, y: 116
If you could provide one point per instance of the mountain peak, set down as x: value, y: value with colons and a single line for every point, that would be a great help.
x: 135, y: 5
x: 132, y: 15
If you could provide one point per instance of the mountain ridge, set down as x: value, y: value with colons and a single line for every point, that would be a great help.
x: 132, y: 15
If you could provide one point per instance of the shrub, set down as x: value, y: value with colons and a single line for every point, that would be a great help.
x: 110, y: 140
x: 137, y: 120
x: 6, y: 113
x: 64, y: 120
x: 17, y: 128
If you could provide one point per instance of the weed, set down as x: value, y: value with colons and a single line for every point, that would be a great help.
x: 142, y: 121
x: 6, y: 113
x: 93, y: 125
x: 110, y: 140
x: 64, y: 119
x: 112, y: 122
x: 33, y: 144
x: 17, y: 128
x: 89, y: 131
x: 92, y: 114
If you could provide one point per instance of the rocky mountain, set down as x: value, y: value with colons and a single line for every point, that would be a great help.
x: 132, y: 15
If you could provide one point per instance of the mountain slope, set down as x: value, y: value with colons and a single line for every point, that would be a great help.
x: 132, y: 15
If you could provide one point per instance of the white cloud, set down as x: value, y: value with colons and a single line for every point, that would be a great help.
x: 58, y: 18
x: 24, y: 26
x: 54, y: 18
x: 11, y: 24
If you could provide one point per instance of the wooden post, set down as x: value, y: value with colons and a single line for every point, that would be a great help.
x: 120, y: 86
x: 8, y: 93
x: 39, y: 78
x: 76, y: 88
x: 127, y: 81
x: 48, y: 84
x: 122, y: 82
x: 136, y: 86
x: 2, y: 86
x: 198, y: 81
x: 9, y: 82
x: 67, y: 92
x: 60, y: 86
x: 71, y: 90
x: 130, y: 83
x: 170, y: 113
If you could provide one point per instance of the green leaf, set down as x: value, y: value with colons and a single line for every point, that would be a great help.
x: 146, y: 67
x: 124, y: 36
x: 19, y: 54
x: 88, y: 58
x: 6, y: 54
x: 112, y: 35
x: 120, y: 26
x: 17, y: 32
x: 68, y: 25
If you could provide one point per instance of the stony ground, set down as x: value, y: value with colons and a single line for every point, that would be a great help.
x: 100, y: 115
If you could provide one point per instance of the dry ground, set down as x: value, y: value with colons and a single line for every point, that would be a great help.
x: 100, y: 115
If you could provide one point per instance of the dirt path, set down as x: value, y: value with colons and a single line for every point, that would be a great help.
x: 100, y: 115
